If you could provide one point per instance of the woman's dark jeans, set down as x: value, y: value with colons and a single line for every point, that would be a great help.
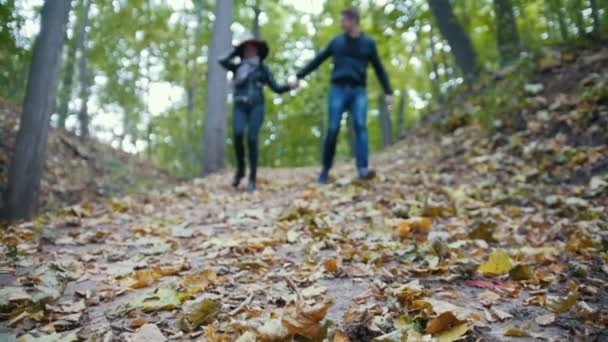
x: 250, y: 117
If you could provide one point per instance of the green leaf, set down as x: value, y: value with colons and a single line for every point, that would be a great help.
x: 164, y: 298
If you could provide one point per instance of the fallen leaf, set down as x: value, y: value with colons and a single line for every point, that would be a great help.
x: 516, y: 331
x: 197, y: 282
x: 453, y: 334
x: 498, y: 263
x: 304, y: 320
x: 164, y: 298
x: 147, y: 333
x: 440, y: 323
x: 544, y: 320
x: 340, y: 336
x: 562, y: 304
x: 198, y: 312
x: 522, y: 272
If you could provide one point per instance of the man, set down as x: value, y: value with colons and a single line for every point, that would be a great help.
x: 352, y: 51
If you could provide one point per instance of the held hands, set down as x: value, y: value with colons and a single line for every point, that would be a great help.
x: 294, y: 84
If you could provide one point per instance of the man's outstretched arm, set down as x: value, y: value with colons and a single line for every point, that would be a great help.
x: 380, y: 71
x: 314, y: 64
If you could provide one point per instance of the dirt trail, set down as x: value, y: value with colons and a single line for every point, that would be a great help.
x: 128, y: 262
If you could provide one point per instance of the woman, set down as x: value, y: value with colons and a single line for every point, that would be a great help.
x: 250, y: 75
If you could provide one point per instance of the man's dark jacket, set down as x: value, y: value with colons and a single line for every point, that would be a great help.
x: 351, y: 57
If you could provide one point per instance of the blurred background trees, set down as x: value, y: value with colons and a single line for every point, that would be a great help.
x: 138, y: 74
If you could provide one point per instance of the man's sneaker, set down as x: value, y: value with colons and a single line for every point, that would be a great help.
x: 323, y: 177
x: 366, y: 174
x: 251, y: 186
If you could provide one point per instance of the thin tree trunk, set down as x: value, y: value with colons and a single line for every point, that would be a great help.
x: 386, y: 126
x: 401, y: 117
x: 459, y: 41
x: 256, y: 22
x: 191, y: 86
x: 435, y: 80
x: 507, y: 35
x: 556, y: 7
x: 32, y: 139
x: 595, y: 14
x: 66, y: 84
x: 214, y: 137
x: 83, y: 114
x: 577, y: 11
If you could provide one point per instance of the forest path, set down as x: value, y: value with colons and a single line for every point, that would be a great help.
x: 392, y: 254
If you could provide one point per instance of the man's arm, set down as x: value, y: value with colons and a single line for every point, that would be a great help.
x: 227, y: 62
x: 316, y: 62
x: 380, y: 71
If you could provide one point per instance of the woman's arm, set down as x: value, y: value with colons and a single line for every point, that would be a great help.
x: 227, y: 62
x: 272, y: 83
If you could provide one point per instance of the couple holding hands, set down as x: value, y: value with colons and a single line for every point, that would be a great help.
x: 351, y: 52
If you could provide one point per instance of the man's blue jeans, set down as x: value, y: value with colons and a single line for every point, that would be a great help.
x: 341, y: 99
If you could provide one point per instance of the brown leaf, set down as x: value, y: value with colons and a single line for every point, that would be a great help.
x: 304, y: 320
x: 442, y: 322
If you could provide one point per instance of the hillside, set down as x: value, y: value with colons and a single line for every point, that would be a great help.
x: 76, y: 171
x: 487, y: 227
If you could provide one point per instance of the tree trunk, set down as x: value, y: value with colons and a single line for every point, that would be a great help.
x: 83, y: 114
x: 66, y: 84
x: 214, y: 137
x: 556, y: 7
x: 459, y: 41
x: 384, y: 117
x: 191, y: 86
x: 507, y: 35
x: 595, y: 14
x: 32, y: 139
x: 435, y: 80
x: 256, y: 22
x: 401, y: 117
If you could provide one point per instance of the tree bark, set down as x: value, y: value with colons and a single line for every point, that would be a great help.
x: 256, y: 22
x: 435, y: 81
x: 214, y: 137
x: 556, y: 7
x: 459, y: 41
x: 507, y: 35
x: 191, y: 86
x: 83, y: 114
x: 401, y: 117
x: 595, y: 14
x: 66, y: 84
x: 21, y: 199
x: 386, y: 127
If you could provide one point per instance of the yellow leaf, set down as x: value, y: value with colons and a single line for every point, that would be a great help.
x: 516, y: 332
x: 454, y: 334
x: 562, y: 304
x: 498, y: 263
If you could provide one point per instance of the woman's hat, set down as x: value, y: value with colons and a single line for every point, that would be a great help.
x: 262, y: 46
